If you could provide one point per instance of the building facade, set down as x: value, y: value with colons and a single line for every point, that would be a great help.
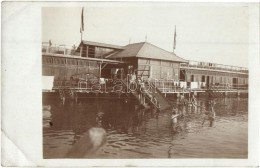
x: 150, y: 62
x: 91, y: 60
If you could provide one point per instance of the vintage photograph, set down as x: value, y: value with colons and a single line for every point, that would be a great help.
x: 145, y: 80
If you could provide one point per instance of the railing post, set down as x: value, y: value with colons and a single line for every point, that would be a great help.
x: 163, y: 87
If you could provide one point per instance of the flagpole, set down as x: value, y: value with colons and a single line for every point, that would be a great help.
x: 82, y: 23
x: 174, y: 40
x: 81, y: 36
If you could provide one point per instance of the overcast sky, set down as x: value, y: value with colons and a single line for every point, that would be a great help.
x: 216, y: 33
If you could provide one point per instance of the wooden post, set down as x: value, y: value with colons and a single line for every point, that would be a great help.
x: 87, y: 52
x: 178, y: 94
x: 225, y: 94
x: 80, y: 54
x: 163, y: 88
x: 100, y: 69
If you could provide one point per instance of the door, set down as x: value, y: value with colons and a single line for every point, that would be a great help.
x: 182, y: 75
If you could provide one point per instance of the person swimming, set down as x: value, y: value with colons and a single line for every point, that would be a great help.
x: 99, y: 119
x: 212, y: 113
x: 158, y: 109
x: 208, y: 115
x: 92, y: 140
x: 174, y: 119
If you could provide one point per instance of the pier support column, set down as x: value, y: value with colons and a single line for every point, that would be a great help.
x: 238, y: 93
x: 178, y: 94
x: 225, y: 93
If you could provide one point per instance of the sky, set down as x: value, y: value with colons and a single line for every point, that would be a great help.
x: 216, y: 33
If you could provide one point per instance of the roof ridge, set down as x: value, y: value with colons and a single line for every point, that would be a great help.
x: 167, y: 51
x: 101, y: 43
x: 140, y: 48
x: 134, y: 43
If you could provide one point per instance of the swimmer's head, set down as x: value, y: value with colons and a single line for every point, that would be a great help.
x: 100, y: 114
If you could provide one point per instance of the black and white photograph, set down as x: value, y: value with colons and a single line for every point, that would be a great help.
x: 155, y: 81
x: 113, y: 83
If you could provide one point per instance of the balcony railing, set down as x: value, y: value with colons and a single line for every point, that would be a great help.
x: 213, y: 66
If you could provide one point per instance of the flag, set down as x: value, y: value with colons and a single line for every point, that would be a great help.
x: 174, y: 42
x: 82, y: 21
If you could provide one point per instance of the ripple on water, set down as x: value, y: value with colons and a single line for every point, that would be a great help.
x: 152, y: 138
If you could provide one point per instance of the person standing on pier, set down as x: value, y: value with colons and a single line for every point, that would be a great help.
x: 154, y: 100
x: 142, y: 78
x: 133, y: 81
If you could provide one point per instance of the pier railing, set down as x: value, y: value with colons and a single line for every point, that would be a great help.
x: 213, y: 66
x: 169, y: 86
x: 59, y: 49
x: 88, y: 85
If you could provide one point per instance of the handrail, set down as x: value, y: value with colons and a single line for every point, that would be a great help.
x: 160, y: 93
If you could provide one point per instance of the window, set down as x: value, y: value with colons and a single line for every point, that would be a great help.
x: 155, y: 62
x: 165, y: 63
x: 143, y: 61
x: 192, y: 78
x: 47, y: 60
x: 203, y: 79
x: 59, y: 61
x: 71, y: 61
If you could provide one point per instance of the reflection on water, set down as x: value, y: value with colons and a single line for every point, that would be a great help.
x: 135, y: 133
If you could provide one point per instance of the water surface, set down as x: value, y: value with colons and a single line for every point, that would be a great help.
x: 129, y: 134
